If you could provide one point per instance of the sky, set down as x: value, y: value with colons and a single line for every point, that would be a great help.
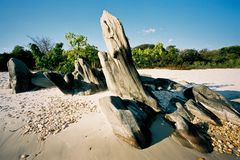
x: 195, y: 24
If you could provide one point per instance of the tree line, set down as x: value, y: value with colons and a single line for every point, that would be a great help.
x: 42, y: 54
x: 156, y: 56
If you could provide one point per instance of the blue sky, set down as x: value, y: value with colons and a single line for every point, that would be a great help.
x: 186, y: 23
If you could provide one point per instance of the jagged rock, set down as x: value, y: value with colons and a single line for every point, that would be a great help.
x: 59, y: 81
x: 202, y: 113
x: 121, y: 75
x: 69, y: 79
x: 167, y: 100
x: 168, y: 84
x: 40, y: 80
x: 19, y: 76
x: 85, y: 73
x: 187, y: 134
x: 214, y: 102
x: 123, y: 121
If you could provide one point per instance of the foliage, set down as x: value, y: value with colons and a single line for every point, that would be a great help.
x: 80, y: 48
x: 24, y: 55
x: 172, y: 57
x: 43, y: 55
x: 4, y: 58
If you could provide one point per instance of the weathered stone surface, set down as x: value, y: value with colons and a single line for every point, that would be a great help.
x: 202, y: 113
x: 69, y: 79
x: 19, y: 76
x: 59, y: 81
x: 121, y: 75
x: 85, y: 73
x: 216, y: 103
x: 168, y: 84
x: 40, y: 80
x: 167, y: 100
x: 123, y: 121
x: 188, y: 135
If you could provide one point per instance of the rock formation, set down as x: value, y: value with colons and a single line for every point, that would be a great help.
x: 121, y: 75
x: 19, y: 76
x: 85, y: 73
x: 214, y: 102
x: 186, y: 133
x: 125, y: 124
x: 40, y: 80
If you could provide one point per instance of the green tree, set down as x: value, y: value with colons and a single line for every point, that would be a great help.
x: 80, y: 48
x: 24, y: 55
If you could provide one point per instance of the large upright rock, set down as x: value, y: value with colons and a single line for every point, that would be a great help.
x: 19, y: 76
x: 121, y: 75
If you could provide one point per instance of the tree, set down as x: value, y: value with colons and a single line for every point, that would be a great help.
x: 52, y: 59
x: 24, y: 55
x: 44, y: 43
x: 80, y: 48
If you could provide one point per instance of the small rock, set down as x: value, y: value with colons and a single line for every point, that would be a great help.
x: 24, y: 156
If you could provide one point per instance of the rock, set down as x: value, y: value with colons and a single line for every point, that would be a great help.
x: 19, y: 76
x: 186, y: 133
x: 121, y: 75
x: 168, y: 84
x: 58, y: 80
x: 85, y: 73
x: 24, y: 156
x: 167, y: 100
x: 215, y: 103
x: 69, y: 79
x: 202, y: 113
x: 123, y: 122
x: 40, y: 80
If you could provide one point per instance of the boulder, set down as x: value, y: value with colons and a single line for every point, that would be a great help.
x: 19, y: 76
x: 40, y: 80
x: 187, y: 134
x: 126, y: 123
x: 215, y: 103
x: 85, y: 73
x: 59, y: 81
x: 121, y: 75
x: 202, y: 113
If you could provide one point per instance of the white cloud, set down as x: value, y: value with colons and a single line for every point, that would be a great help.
x: 149, y: 30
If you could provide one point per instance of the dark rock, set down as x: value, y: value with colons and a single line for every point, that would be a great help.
x: 59, y: 81
x: 127, y: 122
x: 40, y: 80
x: 19, y: 76
x: 216, y: 103
x: 168, y: 84
x: 202, y: 113
x: 167, y: 100
x: 69, y: 79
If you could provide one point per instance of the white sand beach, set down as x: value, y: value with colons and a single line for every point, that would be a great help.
x: 48, y: 125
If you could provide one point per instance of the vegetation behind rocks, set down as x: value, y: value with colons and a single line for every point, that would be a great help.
x: 42, y: 54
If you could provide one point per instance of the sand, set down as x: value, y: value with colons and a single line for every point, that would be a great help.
x: 76, y: 129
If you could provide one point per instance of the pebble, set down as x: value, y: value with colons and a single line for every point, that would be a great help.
x: 225, y: 139
x: 56, y: 116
